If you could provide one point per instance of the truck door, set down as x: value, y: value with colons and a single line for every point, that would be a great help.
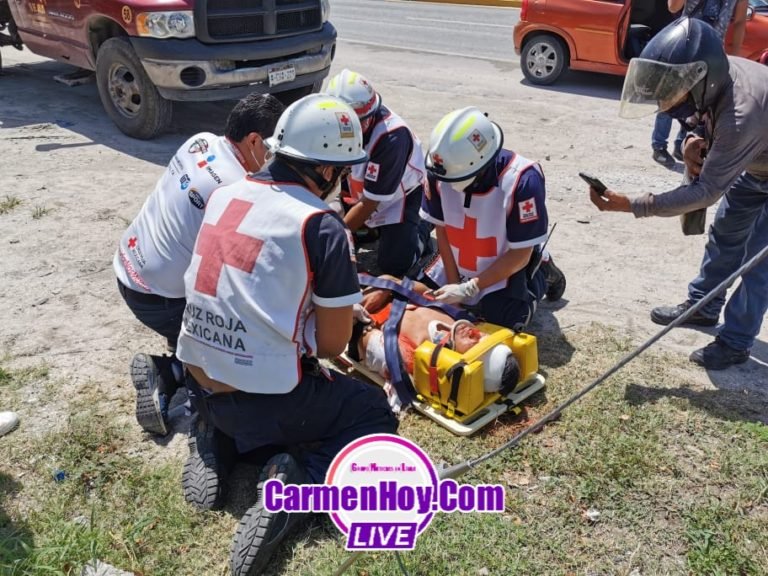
x: 57, y: 29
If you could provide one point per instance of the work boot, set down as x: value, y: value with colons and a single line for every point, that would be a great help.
x: 661, y: 156
x: 718, y: 355
x: 555, y: 280
x: 260, y: 532
x: 155, y: 384
x: 211, y: 458
x: 667, y: 314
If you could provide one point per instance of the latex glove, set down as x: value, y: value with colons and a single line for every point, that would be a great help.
x: 457, y: 293
x: 360, y: 314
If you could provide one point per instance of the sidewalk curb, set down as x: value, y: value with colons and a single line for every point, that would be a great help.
x: 499, y: 3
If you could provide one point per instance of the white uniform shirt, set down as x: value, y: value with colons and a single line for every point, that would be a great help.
x: 156, y: 249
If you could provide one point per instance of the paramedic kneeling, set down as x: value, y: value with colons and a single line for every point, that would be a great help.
x: 488, y: 206
x: 271, y: 288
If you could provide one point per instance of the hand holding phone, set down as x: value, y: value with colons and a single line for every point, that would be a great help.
x: 598, y: 186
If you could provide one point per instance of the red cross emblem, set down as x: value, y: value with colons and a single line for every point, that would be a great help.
x: 372, y: 169
x: 132, y: 242
x: 528, y: 206
x: 221, y: 244
x: 468, y: 245
x: 344, y: 119
x: 476, y: 137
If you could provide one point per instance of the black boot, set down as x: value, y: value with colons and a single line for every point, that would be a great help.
x: 212, y: 455
x: 667, y: 314
x: 718, y: 355
x: 155, y: 384
x: 555, y: 280
x: 260, y: 532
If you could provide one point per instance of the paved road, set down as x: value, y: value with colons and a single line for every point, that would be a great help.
x: 474, y: 31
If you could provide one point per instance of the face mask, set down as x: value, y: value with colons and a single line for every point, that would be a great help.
x: 683, y: 110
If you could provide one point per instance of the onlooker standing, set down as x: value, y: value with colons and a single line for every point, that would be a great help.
x: 686, y: 61
x: 716, y: 13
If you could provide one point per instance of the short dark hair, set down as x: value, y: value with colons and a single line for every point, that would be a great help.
x: 510, y: 376
x: 255, y: 113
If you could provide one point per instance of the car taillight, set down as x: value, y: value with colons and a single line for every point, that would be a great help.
x: 524, y: 10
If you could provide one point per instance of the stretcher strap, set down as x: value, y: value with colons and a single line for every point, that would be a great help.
x: 455, y: 373
x: 434, y: 384
x: 409, y: 294
x: 397, y: 374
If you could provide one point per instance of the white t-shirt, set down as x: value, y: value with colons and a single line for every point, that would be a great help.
x: 156, y: 249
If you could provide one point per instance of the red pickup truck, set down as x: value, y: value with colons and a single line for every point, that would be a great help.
x: 148, y: 53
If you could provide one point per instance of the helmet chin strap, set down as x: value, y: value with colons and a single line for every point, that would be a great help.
x: 308, y: 171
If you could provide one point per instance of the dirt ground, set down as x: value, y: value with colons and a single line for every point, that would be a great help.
x: 80, y: 182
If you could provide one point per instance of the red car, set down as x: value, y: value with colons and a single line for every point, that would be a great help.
x: 602, y: 35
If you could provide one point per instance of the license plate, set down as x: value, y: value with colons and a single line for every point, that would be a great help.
x: 286, y: 73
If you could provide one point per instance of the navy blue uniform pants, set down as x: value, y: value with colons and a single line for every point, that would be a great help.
x: 163, y: 315
x: 318, y: 418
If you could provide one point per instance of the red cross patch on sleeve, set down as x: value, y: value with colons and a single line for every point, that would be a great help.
x: 528, y: 211
x: 372, y: 171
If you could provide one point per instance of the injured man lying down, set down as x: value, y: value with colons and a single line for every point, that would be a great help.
x: 419, y: 324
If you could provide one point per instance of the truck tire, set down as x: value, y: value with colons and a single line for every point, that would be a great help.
x: 127, y: 94
x: 543, y: 59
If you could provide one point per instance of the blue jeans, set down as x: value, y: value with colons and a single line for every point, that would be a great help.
x: 661, y: 129
x: 740, y: 231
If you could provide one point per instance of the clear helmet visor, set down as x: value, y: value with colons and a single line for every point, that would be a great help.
x: 652, y: 86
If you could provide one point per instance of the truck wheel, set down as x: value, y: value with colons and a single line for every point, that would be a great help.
x: 543, y: 59
x: 127, y: 93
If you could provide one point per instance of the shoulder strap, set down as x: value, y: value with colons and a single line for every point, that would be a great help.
x: 399, y: 377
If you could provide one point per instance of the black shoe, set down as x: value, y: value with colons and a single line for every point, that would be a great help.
x: 153, y: 378
x: 211, y: 458
x: 661, y: 156
x: 260, y: 532
x: 717, y: 356
x: 555, y: 280
x: 667, y: 314
x: 677, y: 152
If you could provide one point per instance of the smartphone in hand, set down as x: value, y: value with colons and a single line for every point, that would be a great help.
x: 599, y: 187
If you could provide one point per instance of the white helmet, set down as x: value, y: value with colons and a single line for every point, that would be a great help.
x: 356, y: 91
x: 319, y: 129
x: 462, y: 144
x: 494, y: 365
